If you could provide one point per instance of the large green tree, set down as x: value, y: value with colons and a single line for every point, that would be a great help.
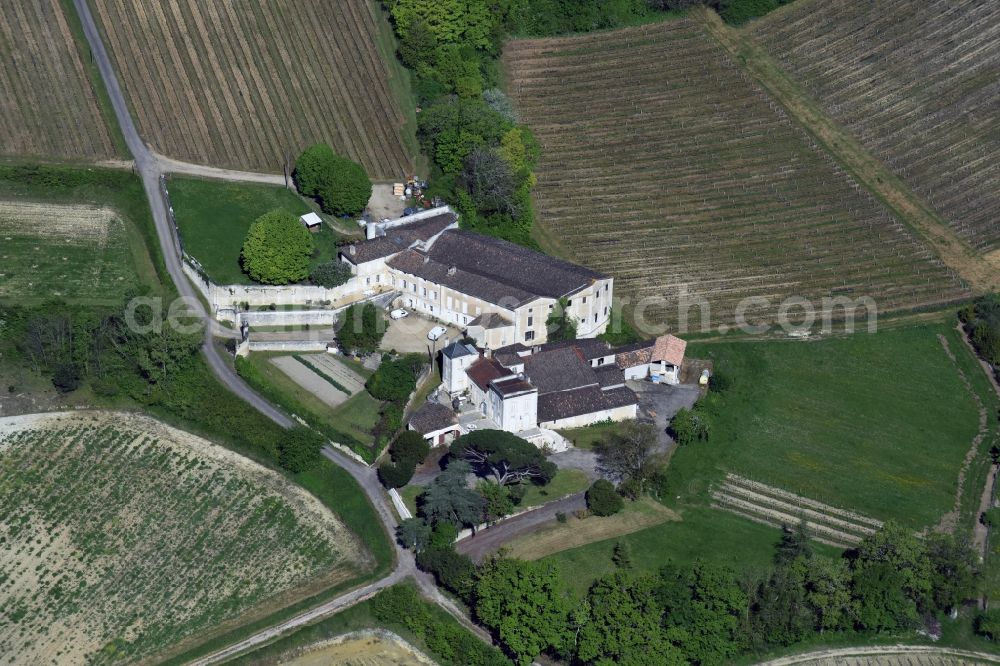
x: 526, y: 604
x: 624, y: 624
x: 277, y: 249
x: 504, y: 457
x: 339, y: 185
x: 448, y: 499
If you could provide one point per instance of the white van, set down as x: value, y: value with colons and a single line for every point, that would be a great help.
x: 436, y: 332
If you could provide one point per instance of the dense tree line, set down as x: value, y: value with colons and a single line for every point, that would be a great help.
x: 131, y: 352
x: 709, y: 613
x: 981, y: 320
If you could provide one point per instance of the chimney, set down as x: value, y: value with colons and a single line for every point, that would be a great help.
x: 353, y: 250
x: 426, y: 259
x: 451, y: 271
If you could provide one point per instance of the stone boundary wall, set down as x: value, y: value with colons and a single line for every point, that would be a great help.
x: 222, y: 297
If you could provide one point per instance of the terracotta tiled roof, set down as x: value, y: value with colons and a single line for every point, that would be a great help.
x: 610, y: 375
x: 670, y: 349
x: 559, y: 370
x: 488, y: 289
x: 514, y: 266
x: 485, y: 370
x: 513, y: 386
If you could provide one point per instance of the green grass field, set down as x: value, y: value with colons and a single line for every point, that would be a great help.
x: 214, y: 217
x: 702, y: 534
x: 878, y: 423
x: 75, y: 234
x: 565, y: 482
x: 586, y: 438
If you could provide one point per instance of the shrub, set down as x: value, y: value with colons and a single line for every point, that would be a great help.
x: 603, y: 499
x: 988, y: 624
x: 561, y: 516
x: 452, y: 571
x: 299, y: 449
x: 396, y: 475
x: 339, y: 185
x: 361, y: 329
x: 277, y: 249
x: 67, y: 377
x: 688, y: 426
x: 991, y: 517
x: 331, y: 274
x: 395, y: 379
x: 410, y: 445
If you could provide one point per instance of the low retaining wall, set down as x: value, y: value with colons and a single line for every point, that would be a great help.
x: 286, y: 345
x: 222, y: 297
x: 289, y: 317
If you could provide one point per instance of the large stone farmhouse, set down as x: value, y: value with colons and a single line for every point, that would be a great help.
x: 533, y: 390
x: 499, y: 292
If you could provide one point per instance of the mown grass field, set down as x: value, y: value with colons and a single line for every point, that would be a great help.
x: 121, y: 539
x: 917, y: 84
x: 249, y: 85
x: 48, y: 104
x: 214, y: 218
x: 878, y: 424
x: 690, y: 178
x: 702, y: 533
x: 76, y: 252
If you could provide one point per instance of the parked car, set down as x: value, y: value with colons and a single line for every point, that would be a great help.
x: 436, y: 332
x: 398, y: 314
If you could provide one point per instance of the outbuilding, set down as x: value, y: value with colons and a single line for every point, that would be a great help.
x: 312, y: 222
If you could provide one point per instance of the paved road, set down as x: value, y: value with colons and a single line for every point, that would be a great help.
x: 490, y: 539
x: 149, y: 169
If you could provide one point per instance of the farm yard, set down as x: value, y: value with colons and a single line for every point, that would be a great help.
x: 48, y: 106
x: 917, y: 84
x: 249, y: 85
x: 77, y: 252
x: 690, y: 177
x: 120, y: 538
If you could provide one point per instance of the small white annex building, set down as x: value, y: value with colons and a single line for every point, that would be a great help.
x: 311, y: 221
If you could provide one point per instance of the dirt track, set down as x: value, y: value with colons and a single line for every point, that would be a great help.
x: 922, y: 655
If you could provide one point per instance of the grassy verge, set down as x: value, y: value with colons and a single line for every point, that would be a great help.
x: 434, y: 625
x: 409, y: 495
x: 214, y: 216
x: 565, y: 482
x: 399, y: 84
x: 879, y: 424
